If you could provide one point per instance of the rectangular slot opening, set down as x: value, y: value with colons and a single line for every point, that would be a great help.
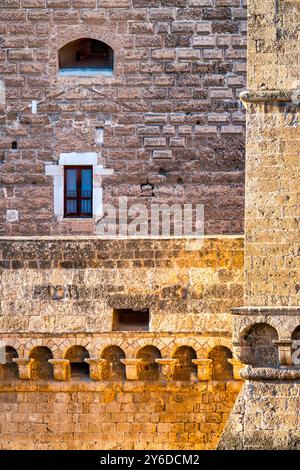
x: 127, y: 319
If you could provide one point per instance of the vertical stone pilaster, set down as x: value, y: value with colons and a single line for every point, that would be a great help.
x: 132, y: 368
x: 24, y: 366
x: 61, y: 369
x: 167, y: 367
x: 98, y: 368
x: 204, y: 369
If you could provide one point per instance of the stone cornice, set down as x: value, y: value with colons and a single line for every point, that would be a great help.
x: 269, y: 373
x: 271, y: 96
x: 293, y: 310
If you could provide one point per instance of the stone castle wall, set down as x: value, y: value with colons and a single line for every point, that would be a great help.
x: 173, y: 124
x: 266, y: 330
x: 184, y: 289
x: 173, y: 132
x: 272, y: 196
x: 119, y: 416
x: 171, y: 387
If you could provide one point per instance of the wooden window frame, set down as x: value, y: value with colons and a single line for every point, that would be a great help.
x: 79, y: 197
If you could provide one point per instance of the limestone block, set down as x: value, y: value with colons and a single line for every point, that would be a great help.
x: 24, y: 366
x: 167, y: 367
x: 132, y: 368
x: 204, y: 368
x: 61, y: 369
x: 98, y: 367
x: 237, y: 366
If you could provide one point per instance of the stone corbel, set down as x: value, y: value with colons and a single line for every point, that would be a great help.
x: 237, y: 366
x: 284, y: 351
x: 204, y: 368
x: 61, y: 369
x: 24, y: 366
x: 98, y: 368
x: 167, y: 367
x: 132, y: 368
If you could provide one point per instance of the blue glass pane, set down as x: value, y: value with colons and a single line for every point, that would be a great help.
x: 71, y: 207
x: 86, y: 206
x: 86, y: 180
x: 71, y: 179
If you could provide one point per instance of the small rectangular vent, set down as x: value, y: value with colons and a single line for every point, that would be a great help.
x: 126, y: 319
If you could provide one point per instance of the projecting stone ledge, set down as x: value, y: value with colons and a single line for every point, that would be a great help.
x: 283, y: 96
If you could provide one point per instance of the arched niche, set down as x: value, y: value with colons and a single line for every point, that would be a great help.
x: 185, y: 369
x: 79, y: 368
x: 86, y: 56
x: 257, y: 346
x: 115, y: 369
x: 149, y: 368
x: 9, y: 370
x: 41, y: 369
x: 221, y: 368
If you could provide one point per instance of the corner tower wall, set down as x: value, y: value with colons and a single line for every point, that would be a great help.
x: 264, y: 330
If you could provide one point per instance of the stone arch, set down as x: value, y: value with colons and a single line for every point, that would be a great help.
x: 9, y: 370
x: 116, y: 369
x: 296, y: 333
x: 187, y: 342
x: 257, y: 345
x: 79, y: 368
x: 41, y: 369
x: 149, y: 369
x: 86, y: 54
x: 295, y: 336
x: 64, y: 34
x: 221, y: 368
x: 185, y: 369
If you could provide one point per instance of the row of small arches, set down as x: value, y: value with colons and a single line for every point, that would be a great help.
x: 185, y: 369
x: 257, y: 344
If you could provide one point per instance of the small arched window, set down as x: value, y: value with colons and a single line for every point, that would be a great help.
x: 116, y: 369
x: 9, y: 370
x: 79, y: 368
x: 221, y: 367
x: 86, y: 56
x: 41, y: 369
x: 149, y: 368
x: 185, y: 368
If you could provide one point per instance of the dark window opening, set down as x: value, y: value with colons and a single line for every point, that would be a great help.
x: 78, y: 191
x: 79, y: 368
x: 185, y: 368
x: 86, y: 56
x: 126, y: 319
x: 9, y: 370
x: 222, y: 369
x: 14, y: 145
x: 149, y: 369
x: 115, y: 368
x: 41, y: 369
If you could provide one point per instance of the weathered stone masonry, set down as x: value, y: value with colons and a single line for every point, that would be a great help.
x: 266, y: 413
x: 170, y: 387
x: 170, y: 112
x: 172, y: 131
